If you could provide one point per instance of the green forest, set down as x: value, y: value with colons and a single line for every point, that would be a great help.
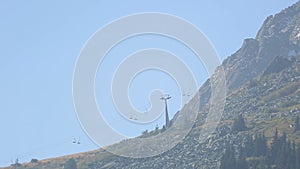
x: 257, y: 153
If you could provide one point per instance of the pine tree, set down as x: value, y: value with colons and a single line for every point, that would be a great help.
x: 275, y: 142
x: 241, y: 163
x: 239, y: 124
x: 228, y: 160
x: 260, y: 147
x: 297, y: 124
x: 248, y: 147
x: 70, y: 164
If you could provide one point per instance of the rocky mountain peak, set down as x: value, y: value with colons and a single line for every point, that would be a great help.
x: 279, y: 36
x: 282, y: 25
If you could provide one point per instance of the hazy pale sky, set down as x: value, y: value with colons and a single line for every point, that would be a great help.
x: 39, y: 45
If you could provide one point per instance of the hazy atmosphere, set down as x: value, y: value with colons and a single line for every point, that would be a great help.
x: 39, y: 47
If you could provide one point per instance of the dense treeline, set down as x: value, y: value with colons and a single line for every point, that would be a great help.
x: 256, y: 154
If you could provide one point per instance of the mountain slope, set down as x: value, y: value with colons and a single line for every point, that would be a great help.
x: 263, y: 80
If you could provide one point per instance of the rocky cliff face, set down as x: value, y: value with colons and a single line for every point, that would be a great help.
x: 279, y: 36
x: 263, y: 80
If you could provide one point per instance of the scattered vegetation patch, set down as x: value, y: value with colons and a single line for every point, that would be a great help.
x: 282, y: 92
